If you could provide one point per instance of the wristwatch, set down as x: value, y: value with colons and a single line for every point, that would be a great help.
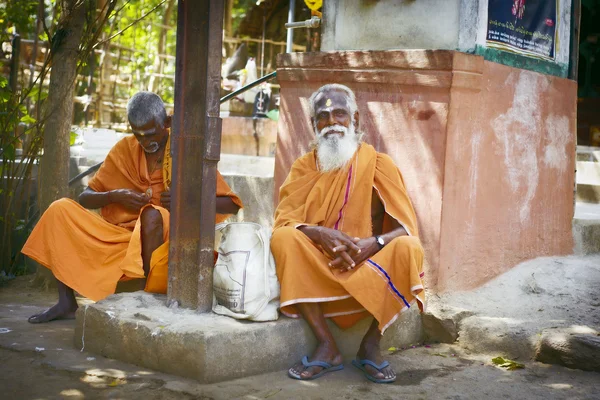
x: 380, y: 241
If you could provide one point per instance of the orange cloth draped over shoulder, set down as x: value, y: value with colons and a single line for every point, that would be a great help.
x: 385, y: 285
x: 90, y: 253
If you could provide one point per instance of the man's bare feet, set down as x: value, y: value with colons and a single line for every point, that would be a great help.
x: 370, y: 351
x: 327, y: 352
x: 57, y: 311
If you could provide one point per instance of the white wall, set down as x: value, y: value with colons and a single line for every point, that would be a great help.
x: 419, y: 24
x: 390, y: 24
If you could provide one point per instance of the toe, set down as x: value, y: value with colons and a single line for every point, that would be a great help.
x: 296, y: 369
x: 389, y: 373
x: 36, y: 318
x: 374, y: 372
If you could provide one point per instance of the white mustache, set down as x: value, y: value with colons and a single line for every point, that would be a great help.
x: 333, y: 128
x: 152, y: 147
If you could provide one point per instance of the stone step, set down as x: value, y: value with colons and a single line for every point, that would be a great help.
x: 588, y: 177
x: 586, y: 228
x: 138, y: 328
x: 588, y: 153
x: 587, y: 193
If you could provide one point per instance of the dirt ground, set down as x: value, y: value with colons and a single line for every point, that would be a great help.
x: 40, y: 362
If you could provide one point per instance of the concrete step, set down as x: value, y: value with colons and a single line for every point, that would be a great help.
x: 138, y: 328
x: 588, y: 153
x: 588, y: 174
x: 586, y: 228
x: 588, y: 193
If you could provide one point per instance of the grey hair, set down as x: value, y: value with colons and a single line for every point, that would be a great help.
x: 351, y: 98
x: 145, y: 106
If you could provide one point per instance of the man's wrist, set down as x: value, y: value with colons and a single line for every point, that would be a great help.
x: 379, y: 241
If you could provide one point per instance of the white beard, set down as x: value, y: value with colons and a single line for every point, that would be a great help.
x: 333, y: 151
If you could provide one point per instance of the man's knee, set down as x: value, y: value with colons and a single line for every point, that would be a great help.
x: 151, y: 218
x: 284, y: 236
x: 60, y: 205
x: 411, y: 243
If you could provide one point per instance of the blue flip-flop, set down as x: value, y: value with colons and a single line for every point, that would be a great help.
x: 360, y: 364
x: 325, y: 365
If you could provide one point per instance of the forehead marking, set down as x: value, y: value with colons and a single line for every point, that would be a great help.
x: 328, y: 102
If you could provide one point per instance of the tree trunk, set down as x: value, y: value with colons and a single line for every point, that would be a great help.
x: 54, y: 166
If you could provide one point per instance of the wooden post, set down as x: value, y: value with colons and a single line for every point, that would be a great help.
x: 195, y: 146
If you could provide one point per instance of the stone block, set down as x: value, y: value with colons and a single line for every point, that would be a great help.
x: 494, y: 335
x: 575, y: 347
x: 588, y: 193
x: 138, y: 328
x: 586, y: 236
x: 441, y: 323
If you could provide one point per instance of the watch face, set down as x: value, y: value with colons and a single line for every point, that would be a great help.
x: 380, y: 240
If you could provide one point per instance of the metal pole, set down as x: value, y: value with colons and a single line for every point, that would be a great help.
x: 290, y: 32
x: 262, y: 47
x: 196, y: 147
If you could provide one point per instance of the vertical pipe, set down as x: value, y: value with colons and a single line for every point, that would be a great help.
x: 290, y: 32
x: 262, y: 47
x: 195, y: 146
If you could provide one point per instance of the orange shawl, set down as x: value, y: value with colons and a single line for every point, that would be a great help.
x: 341, y: 199
x: 125, y: 168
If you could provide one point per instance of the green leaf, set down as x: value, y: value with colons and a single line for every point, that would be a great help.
x: 3, y: 82
x: 28, y: 119
x: 34, y: 92
x: 9, y: 152
x: 4, y: 96
x: 510, y: 365
x: 72, y: 138
x: 498, y: 360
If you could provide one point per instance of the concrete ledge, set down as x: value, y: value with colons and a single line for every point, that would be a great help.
x: 586, y: 236
x: 138, y: 328
x: 588, y: 193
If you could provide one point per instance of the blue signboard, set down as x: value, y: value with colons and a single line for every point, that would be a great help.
x: 526, y: 27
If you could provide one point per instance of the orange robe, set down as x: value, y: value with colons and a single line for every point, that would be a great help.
x: 385, y: 285
x: 90, y: 253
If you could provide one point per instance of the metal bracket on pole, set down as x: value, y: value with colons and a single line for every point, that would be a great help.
x: 314, y: 22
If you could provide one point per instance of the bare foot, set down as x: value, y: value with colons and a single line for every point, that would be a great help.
x: 325, y: 352
x: 371, y: 351
x: 57, y: 311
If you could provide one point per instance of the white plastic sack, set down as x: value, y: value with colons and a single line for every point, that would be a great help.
x: 245, y: 284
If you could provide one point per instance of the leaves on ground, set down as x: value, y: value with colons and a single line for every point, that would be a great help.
x: 510, y: 365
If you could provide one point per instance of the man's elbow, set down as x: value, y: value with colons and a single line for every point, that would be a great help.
x: 84, y: 198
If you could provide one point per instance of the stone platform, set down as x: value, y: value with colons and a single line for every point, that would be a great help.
x: 138, y: 328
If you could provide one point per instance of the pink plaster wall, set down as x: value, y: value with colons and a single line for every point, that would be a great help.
x: 508, y: 190
x: 432, y: 112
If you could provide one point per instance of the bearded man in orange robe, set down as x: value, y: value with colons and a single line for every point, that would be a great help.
x: 90, y: 253
x: 345, y: 239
